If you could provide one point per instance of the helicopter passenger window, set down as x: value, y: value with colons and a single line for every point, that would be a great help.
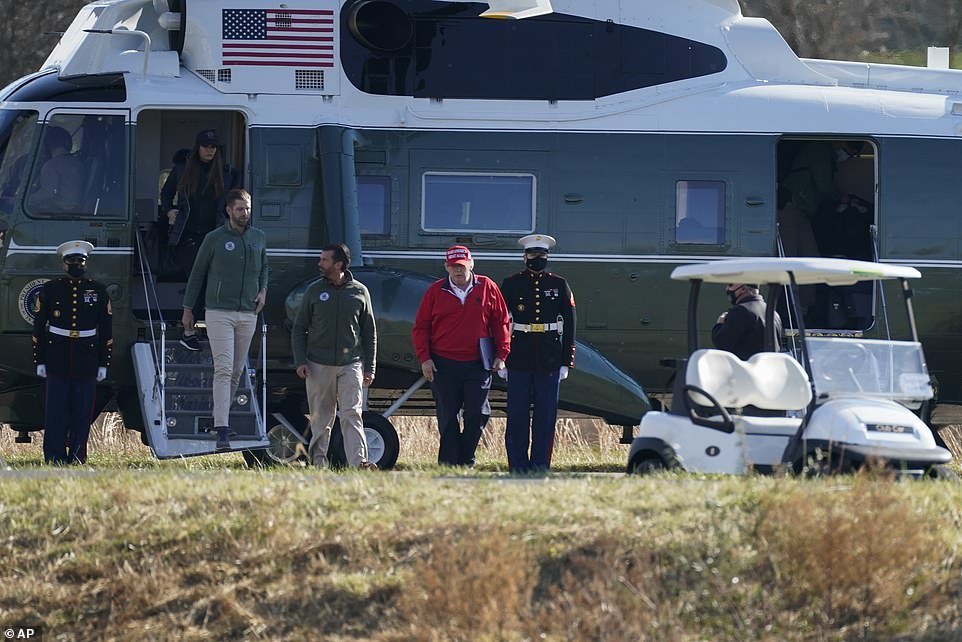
x: 374, y: 205
x: 494, y: 202
x: 700, y: 212
x: 80, y: 168
x: 17, y: 132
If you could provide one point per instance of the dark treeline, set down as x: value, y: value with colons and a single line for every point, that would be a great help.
x: 857, y: 29
x: 840, y: 29
x: 30, y: 31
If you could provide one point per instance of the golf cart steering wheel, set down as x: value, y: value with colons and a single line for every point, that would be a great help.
x: 713, y: 416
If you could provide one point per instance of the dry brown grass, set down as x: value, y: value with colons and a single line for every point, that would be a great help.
x: 867, y: 561
x: 299, y: 555
x: 108, y: 440
x: 468, y: 580
x: 580, y: 444
x: 203, y: 550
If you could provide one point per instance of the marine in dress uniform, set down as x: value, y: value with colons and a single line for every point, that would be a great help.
x: 542, y: 310
x: 72, y: 341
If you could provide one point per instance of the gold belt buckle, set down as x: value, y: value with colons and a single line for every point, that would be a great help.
x: 537, y: 327
x: 75, y: 334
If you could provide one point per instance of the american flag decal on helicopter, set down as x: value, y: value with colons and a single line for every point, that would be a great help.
x: 278, y: 38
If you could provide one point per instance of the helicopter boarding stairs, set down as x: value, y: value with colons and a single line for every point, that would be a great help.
x: 176, y: 391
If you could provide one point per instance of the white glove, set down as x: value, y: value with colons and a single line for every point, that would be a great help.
x: 42, y: 371
x: 563, y: 373
x: 101, y: 374
x: 503, y: 373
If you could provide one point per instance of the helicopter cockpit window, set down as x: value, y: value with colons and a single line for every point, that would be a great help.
x: 17, y: 134
x: 80, y: 168
x: 458, y: 202
x: 700, y: 212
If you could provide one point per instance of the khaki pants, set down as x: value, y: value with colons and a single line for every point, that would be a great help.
x: 331, y: 388
x: 230, y: 336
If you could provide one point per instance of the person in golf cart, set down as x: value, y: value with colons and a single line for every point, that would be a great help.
x: 836, y: 401
x: 741, y: 330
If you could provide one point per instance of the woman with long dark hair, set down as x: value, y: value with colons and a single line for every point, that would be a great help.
x: 192, y: 199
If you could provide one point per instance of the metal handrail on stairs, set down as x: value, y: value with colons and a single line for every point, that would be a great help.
x: 160, y: 361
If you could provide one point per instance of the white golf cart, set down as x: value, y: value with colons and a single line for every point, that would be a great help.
x: 832, y: 402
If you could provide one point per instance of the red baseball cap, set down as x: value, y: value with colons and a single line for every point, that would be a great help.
x: 458, y: 254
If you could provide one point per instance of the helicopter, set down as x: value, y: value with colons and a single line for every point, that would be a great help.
x: 641, y: 135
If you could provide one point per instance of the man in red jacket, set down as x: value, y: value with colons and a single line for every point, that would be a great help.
x: 461, y: 333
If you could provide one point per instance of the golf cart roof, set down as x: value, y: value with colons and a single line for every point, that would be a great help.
x: 806, y: 270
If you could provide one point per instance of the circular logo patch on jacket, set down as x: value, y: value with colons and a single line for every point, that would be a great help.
x: 324, y: 296
x: 229, y: 246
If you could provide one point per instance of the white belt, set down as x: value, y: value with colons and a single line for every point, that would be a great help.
x: 73, y: 334
x: 535, y: 327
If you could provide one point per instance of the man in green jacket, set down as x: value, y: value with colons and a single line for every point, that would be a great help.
x: 232, y: 260
x: 335, y: 342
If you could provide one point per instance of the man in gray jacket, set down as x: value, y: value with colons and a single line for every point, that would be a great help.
x: 232, y: 261
x: 335, y: 341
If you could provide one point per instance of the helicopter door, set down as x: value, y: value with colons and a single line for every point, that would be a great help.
x: 164, y: 139
x: 63, y: 177
x: 827, y: 191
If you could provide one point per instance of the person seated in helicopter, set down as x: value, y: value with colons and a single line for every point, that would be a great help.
x: 59, y: 185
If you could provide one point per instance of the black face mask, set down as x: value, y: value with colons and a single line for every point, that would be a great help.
x: 537, y: 264
x: 76, y: 270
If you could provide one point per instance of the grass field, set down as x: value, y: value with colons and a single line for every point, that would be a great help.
x: 202, y: 549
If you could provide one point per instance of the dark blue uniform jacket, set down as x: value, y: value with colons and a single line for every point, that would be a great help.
x: 540, y: 298
x: 73, y: 305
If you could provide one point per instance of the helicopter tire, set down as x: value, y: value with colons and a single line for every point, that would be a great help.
x: 382, y: 442
x: 285, y: 447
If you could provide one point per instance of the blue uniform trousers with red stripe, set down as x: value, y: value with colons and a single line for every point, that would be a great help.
x: 532, y: 411
x: 69, y: 411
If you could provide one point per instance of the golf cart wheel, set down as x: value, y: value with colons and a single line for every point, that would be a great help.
x: 820, y: 463
x: 646, y: 464
x: 383, y: 445
x: 285, y: 445
x: 942, y: 473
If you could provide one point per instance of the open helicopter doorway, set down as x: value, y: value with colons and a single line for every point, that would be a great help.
x: 165, y: 140
x: 827, y: 188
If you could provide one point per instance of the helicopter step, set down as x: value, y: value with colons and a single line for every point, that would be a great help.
x: 176, y: 401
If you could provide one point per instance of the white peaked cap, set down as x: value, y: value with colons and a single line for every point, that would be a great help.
x: 536, y: 242
x: 71, y: 248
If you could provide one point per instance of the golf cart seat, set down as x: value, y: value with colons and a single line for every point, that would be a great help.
x: 768, y: 380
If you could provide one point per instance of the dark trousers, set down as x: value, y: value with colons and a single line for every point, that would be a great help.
x: 457, y: 386
x: 69, y: 411
x: 185, y: 253
x: 532, y: 411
